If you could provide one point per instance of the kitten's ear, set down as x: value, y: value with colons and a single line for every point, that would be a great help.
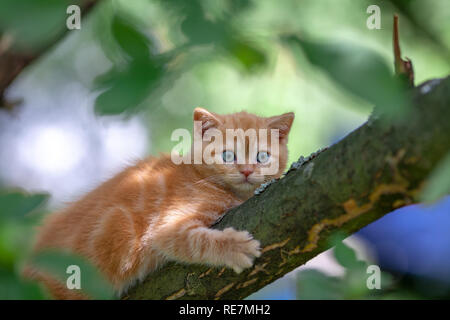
x: 208, y: 119
x: 283, y: 123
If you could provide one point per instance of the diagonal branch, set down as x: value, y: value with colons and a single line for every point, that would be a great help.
x: 402, y: 67
x: 377, y: 168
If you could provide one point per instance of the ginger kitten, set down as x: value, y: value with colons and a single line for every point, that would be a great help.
x: 156, y: 210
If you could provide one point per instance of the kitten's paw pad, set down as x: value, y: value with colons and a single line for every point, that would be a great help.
x: 243, y: 249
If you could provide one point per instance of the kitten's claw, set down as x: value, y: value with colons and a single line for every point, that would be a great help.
x: 243, y: 249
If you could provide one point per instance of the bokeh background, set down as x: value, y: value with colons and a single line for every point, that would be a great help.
x: 113, y: 92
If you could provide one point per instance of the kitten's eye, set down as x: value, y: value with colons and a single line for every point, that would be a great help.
x: 228, y: 156
x: 263, y: 157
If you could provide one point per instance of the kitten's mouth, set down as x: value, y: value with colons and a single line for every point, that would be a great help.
x: 246, y: 186
x: 246, y: 181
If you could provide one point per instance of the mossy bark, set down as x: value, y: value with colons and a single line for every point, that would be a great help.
x: 377, y: 168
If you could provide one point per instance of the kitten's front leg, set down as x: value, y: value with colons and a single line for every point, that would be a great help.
x: 241, y: 251
x: 192, y: 241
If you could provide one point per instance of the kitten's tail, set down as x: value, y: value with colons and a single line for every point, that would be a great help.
x: 55, y: 288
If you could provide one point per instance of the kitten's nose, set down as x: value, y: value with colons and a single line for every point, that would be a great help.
x: 246, y: 172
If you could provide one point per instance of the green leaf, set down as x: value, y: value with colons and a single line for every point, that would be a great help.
x: 14, y: 288
x: 127, y: 89
x: 15, y: 204
x: 33, y: 23
x: 14, y: 241
x: 313, y: 284
x: 360, y: 71
x: 93, y: 283
x: 239, y: 5
x: 438, y: 184
x: 345, y: 255
x: 130, y: 40
x: 198, y: 29
x: 250, y: 57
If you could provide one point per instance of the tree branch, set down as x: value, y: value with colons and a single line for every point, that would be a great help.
x: 13, y: 62
x: 402, y: 67
x: 374, y: 170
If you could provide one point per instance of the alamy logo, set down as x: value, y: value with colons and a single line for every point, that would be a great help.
x: 374, y: 20
x: 74, y: 20
x: 74, y: 280
x: 374, y: 280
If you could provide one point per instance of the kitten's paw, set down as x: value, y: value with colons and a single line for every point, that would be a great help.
x: 242, y: 251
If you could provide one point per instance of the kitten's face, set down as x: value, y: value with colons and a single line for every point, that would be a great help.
x: 254, y: 156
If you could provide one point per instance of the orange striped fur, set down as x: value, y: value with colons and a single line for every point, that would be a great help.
x: 156, y: 211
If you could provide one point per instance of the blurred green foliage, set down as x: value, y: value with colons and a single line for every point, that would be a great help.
x: 131, y: 80
x: 314, y: 284
x: 127, y: 86
x: 33, y: 24
x: 18, y: 212
x: 361, y: 71
x: 438, y: 184
x: 163, y: 58
x: 16, y: 204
